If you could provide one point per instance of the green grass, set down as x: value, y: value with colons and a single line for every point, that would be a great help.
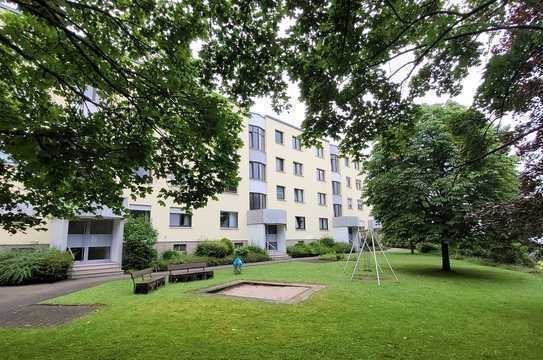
x: 477, y: 312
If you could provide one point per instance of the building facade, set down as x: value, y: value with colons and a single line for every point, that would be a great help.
x: 287, y: 194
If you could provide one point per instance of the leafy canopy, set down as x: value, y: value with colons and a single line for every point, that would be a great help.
x: 418, y: 194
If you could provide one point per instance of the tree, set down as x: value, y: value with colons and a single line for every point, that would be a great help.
x: 415, y: 189
x: 139, y: 240
x: 66, y: 147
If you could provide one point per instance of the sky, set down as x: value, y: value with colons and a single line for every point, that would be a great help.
x: 295, y: 115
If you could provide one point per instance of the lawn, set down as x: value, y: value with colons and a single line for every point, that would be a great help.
x: 477, y: 312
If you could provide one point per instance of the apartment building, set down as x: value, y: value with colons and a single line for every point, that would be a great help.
x: 287, y: 194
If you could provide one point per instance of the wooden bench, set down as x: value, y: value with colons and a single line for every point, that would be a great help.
x: 189, y: 272
x: 147, y: 282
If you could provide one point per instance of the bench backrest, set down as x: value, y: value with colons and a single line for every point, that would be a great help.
x: 173, y: 267
x: 141, y: 273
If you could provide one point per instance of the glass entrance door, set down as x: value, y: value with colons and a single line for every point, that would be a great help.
x: 90, y: 240
x: 271, y: 237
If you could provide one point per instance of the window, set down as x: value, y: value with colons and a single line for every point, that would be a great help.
x: 231, y: 189
x: 279, y: 164
x: 337, y: 210
x: 229, y: 219
x: 300, y: 223
x: 180, y: 247
x: 144, y: 175
x: 179, y: 219
x: 101, y: 227
x: 322, y: 199
x: 278, y: 137
x: 298, y: 169
x: 358, y: 185
x: 296, y: 143
x: 257, y: 171
x: 298, y: 195
x: 348, y: 181
x: 359, y: 204
x: 320, y: 175
x: 323, y: 223
x: 336, y: 188
x: 141, y: 213
x: 257, y: 201
x: 280, y: 192
x: 356, y: 165
x: 350, y: 203
x: 238, y: 244
x: 346, y: 162
x: 334, y: 163
x: 256, y: 138
x: 319, y: 152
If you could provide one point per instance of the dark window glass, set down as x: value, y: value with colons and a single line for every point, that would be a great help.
x: 300, y: 223
x: 99, y: 253
x: 278, y: 137
x: 322, y: 199
x: 280, y: 192
x: 298, y: 169
x: 180, y: 220
x: 145, y: 214
x: 256, y: 138
x: 101, y: 227
x: 229, y: 219
x: 336, y: 188
x: 334, y: 163
x: 77, y: 253
x: 296, y: 143
x: 298, y: 195
x: 180, y: 247
x: 257, y: 201
x: 323, y: 223
x: 77, y: 227
x: 257, y: 171
x: 279, y: 164
x: 320, y: 175
x: 337, y: 210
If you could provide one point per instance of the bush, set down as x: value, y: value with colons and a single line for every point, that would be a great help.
x: 214, y: 248
x: 319, y: 248
x: 331, y: 257
x: 34, y: 266
x: 299, y: 250
x: 327, y: 241
x: 426, y: 247
x: 251, y: 254
x: 342, y: 248
x: 139, y: 240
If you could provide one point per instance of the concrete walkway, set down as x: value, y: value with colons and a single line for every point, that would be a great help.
x: 14, y: 297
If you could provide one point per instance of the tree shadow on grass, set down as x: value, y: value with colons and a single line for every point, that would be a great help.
x: 456, y: 274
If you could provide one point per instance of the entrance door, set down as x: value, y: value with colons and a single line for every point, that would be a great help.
x: 90, y: 240
x: 271, y: 237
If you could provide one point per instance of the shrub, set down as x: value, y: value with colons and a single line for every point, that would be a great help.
x: 319, y: 248
x: 426, y: 247
x: 139, y: 240
x: 169, y: 254
x: 342, y: 248
x: 34, y: 266
x: 251, y: 254
x: 229, y: 245
x: 299, y: 250
x: 327, y: 241
x: 331, y: 257
x: 213, y: 248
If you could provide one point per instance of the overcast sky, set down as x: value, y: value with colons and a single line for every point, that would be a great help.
x: 296, y: 115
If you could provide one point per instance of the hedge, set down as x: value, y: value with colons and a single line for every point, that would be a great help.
x: 19, y: 267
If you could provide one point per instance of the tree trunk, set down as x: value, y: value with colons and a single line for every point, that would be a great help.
x: 412, y: 247
x: 445, y: 261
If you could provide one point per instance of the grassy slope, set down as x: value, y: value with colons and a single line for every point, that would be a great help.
x: 477, y: 312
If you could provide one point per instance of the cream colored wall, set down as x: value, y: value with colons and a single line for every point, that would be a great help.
x: 205, y: 221
x: 30, y: 237
x: 351, y: 192
x: 308, y: 182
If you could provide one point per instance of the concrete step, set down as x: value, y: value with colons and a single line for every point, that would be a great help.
x: 276, y: 255
x: 80, y: 271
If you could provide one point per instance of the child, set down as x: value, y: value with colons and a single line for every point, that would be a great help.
x: 237, y: 265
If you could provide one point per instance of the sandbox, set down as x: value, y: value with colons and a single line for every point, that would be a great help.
x: 287, y: 293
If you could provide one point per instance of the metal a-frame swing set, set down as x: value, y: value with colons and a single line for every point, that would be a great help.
x: 368, y: 245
